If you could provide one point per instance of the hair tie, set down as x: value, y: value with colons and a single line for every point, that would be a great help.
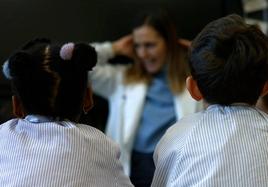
x: 6, y: 70
x: 66, y: 51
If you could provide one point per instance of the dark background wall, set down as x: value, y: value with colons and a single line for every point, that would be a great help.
x: 93, y: 20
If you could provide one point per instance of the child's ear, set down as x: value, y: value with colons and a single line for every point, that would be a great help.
x: 88, y: 100
x: 264, y: 89
x: 17, y: 107
x: 193, y: 88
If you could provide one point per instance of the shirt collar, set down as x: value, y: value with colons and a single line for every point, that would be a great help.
x: 38, y: 118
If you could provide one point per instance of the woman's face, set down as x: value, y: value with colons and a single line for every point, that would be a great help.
x: 150, y: 48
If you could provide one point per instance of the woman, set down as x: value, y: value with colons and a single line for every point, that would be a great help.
x: 145, y: 97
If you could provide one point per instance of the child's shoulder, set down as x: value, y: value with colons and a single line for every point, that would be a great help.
x: 181, y: 129
x: 89, y: 130
x: 94, y: 133
x: 10, y: 122
x: 185, y: 124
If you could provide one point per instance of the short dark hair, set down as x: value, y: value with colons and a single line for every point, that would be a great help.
x: 229, y: 61
x: 48, y: 85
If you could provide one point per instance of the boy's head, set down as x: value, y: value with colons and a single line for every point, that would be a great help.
x: 49, y: 79
x: 229, y: 62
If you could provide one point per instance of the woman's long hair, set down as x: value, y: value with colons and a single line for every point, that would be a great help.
x: 176, y: 54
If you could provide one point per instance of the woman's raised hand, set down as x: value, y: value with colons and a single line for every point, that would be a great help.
x: 124, y: 46
x: 184, y: 43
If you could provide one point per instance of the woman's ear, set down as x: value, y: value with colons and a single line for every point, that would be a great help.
x: 264, y: 89
x: 88, y: 100
x: 17, y: 107
x: 193, y: 88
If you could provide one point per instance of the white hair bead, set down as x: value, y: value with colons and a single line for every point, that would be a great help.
x: 6, y: 70
x: 66, y: 51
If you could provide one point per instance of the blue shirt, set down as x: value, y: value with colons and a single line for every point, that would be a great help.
x: 158, y: 114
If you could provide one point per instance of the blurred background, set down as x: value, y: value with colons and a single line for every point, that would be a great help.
x: 101, y: 20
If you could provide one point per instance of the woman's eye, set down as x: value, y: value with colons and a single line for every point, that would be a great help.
x: 145, y: 45
x: 150, y: 45
x: 136, y: 46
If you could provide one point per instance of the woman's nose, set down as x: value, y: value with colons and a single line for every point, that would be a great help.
x: 142, y: 53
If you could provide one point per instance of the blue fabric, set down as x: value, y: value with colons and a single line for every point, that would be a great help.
x: 38, y: 118
x: 158, y: 114
x: 142, y: 170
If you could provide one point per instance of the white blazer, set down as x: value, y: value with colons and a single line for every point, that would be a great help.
x: 126, y: 101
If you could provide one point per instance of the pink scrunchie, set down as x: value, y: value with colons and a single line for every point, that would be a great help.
x: 66, y: 51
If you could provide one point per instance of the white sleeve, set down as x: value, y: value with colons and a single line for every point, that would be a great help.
x: 104, y: 77
x: 165, y: 159
x: 121, y: 178
x: 169, y: 151
x: 104, y: 51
